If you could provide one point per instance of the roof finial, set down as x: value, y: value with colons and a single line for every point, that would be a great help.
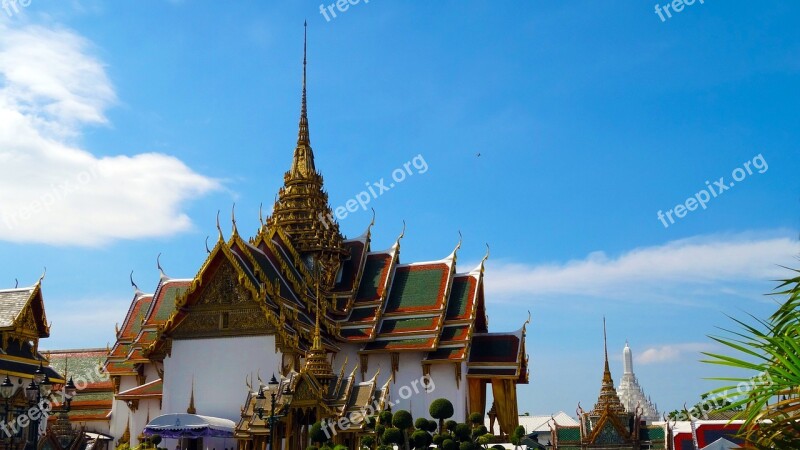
x: 42, y: 277
x: 163, y: 276
x: 191, y: 409
x: 233, y: 218
x: 261, y: 215
x: 16, y: 283
x: 208, y: 250
x: 136, y: 291
x: 373, y: 218
x: 219, y: 229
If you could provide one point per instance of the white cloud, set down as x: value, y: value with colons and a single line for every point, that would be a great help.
x: 673, y: 272
x: 672, y: 352
x: 51, y: 190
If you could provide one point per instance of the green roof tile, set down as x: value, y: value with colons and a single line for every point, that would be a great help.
x: 372, y: 278
x: 461, y: 295
x: 410, y: 324
x: 417, y: 287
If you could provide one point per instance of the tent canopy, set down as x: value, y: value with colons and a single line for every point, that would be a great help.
x: 184, y: 425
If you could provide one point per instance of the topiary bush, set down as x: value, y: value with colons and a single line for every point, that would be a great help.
x: 449, y: 444
x: 441, y: 409
x: 392, y: 436
x: 463, y: 432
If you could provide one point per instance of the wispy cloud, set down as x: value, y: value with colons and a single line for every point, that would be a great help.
x: 673, y: 352
x: 55, y: 192
x: 673, y: 272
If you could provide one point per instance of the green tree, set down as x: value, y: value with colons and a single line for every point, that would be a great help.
x: 516, y: 436
x: 385, y: 418
x: 317, y: 434
x: 421, y: 439
x: 768, y: 351
x: 451, y: 425
x: 475, y: 419
x: 441, y: 409
x: 367, y: 441
x: 402, y: 420
x: 392, y: 436
x: 432, y: 426
x: 463, y: 432
x: 449, y: 444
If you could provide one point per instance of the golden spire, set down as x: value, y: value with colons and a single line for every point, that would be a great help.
x: 317, y: 363
x: 302, y: 134
x: 608, y: 399
x: 301, y: 208
x: 191, y: 409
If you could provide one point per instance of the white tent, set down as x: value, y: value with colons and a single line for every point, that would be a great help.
x: 182, y: 425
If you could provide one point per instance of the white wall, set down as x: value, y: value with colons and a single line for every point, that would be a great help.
x: 407, y: 381
x: 219, y: 367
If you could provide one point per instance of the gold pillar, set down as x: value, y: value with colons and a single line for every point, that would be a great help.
x: 505, y: 399
x: 477, y: 395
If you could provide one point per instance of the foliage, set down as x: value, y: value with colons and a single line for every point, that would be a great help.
x: 385, y: 418
x: 340, y: 447
x: 155, y: 440
x: 421, y: 424
x: 441, y: 409
x: 392, y: 436
x: 317, y: 434
x: 466, y: 445
x: 449, y: 444
x: 516, y: 436
x: 463, y: 432
x: 475, y: 418
x: 421, y: 439
x: 367, y: 441
x: 432, y: 426
x: 706, y: 405
x: 769, y: 353
x: 439, y: 439
x: 311, y: 447
x: 379, y: 430
x: 450, y: 425
x: 478, y: 432
x: 402, y: 419
x: 385, y: 447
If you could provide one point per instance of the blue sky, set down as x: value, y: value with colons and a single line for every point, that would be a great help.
x: 553, y: 131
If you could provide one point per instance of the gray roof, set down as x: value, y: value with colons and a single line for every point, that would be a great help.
x: 12, y: 302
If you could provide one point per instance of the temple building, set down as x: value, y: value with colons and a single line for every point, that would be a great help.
x: 609, y: 424
x: 23, y: 324
x: 631, y: 394
x: 341, y: 325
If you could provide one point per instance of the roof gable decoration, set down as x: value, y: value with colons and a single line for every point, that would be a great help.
x: 222, y: 254
x: 23, y: 312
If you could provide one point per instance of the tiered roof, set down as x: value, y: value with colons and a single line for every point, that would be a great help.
x: 22, y: 324
x: 139, y: 330
x: 93, y: 399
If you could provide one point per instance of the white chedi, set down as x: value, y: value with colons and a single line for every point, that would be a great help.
x: 631, y: 394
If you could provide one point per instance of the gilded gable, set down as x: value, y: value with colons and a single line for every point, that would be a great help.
x: 223, y: 308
